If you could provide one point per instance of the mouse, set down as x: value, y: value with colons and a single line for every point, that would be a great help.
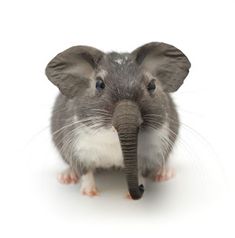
x: 115, y: 111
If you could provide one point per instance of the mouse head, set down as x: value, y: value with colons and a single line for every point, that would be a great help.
x: 127, y: 91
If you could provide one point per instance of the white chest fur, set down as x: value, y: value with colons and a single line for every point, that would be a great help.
x: 102, y: 148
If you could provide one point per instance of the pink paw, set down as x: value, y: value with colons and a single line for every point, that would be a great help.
x: 165, y: 174
x: 68, y: 176
x: 91, y: 192
x: 128, y: 196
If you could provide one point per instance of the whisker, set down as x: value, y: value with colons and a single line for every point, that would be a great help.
x: 182, y: 142
x: 84, y: 122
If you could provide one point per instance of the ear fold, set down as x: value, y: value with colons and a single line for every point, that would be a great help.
x: 70, y: 70
x: 165, y: 62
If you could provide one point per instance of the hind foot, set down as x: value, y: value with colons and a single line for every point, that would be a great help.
x: 165, y: 174
x: 68, y: 176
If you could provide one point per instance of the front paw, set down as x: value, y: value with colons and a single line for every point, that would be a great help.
x: 165, y: 174
x: 88, y: 186
x: 68, y: 176
x: 89, y: 191
x: 128, y: 196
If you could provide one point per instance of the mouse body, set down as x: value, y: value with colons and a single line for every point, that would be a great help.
x: 115, y: 110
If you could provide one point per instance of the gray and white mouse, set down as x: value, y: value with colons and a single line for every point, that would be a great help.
x: 115, y: 111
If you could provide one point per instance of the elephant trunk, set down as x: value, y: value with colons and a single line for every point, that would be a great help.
x: 126, y: 120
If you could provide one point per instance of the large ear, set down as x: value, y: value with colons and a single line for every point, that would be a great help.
x: 70, y: 70
x: 165, y: 62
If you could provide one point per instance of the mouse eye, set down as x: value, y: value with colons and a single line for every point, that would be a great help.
x: 151, y: 86
x: 99, y: 84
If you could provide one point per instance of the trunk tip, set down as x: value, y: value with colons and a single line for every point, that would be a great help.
x: 137, y: 194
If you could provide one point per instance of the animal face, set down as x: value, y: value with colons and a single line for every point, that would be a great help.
x: 98, y: 81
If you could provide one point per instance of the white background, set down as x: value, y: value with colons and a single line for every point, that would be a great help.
x: 198, y: 202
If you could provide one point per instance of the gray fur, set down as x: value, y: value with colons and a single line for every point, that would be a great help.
x: 127, y: 75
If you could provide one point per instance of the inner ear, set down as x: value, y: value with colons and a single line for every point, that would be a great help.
x: 71, y: 70
x: 165, y: 62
